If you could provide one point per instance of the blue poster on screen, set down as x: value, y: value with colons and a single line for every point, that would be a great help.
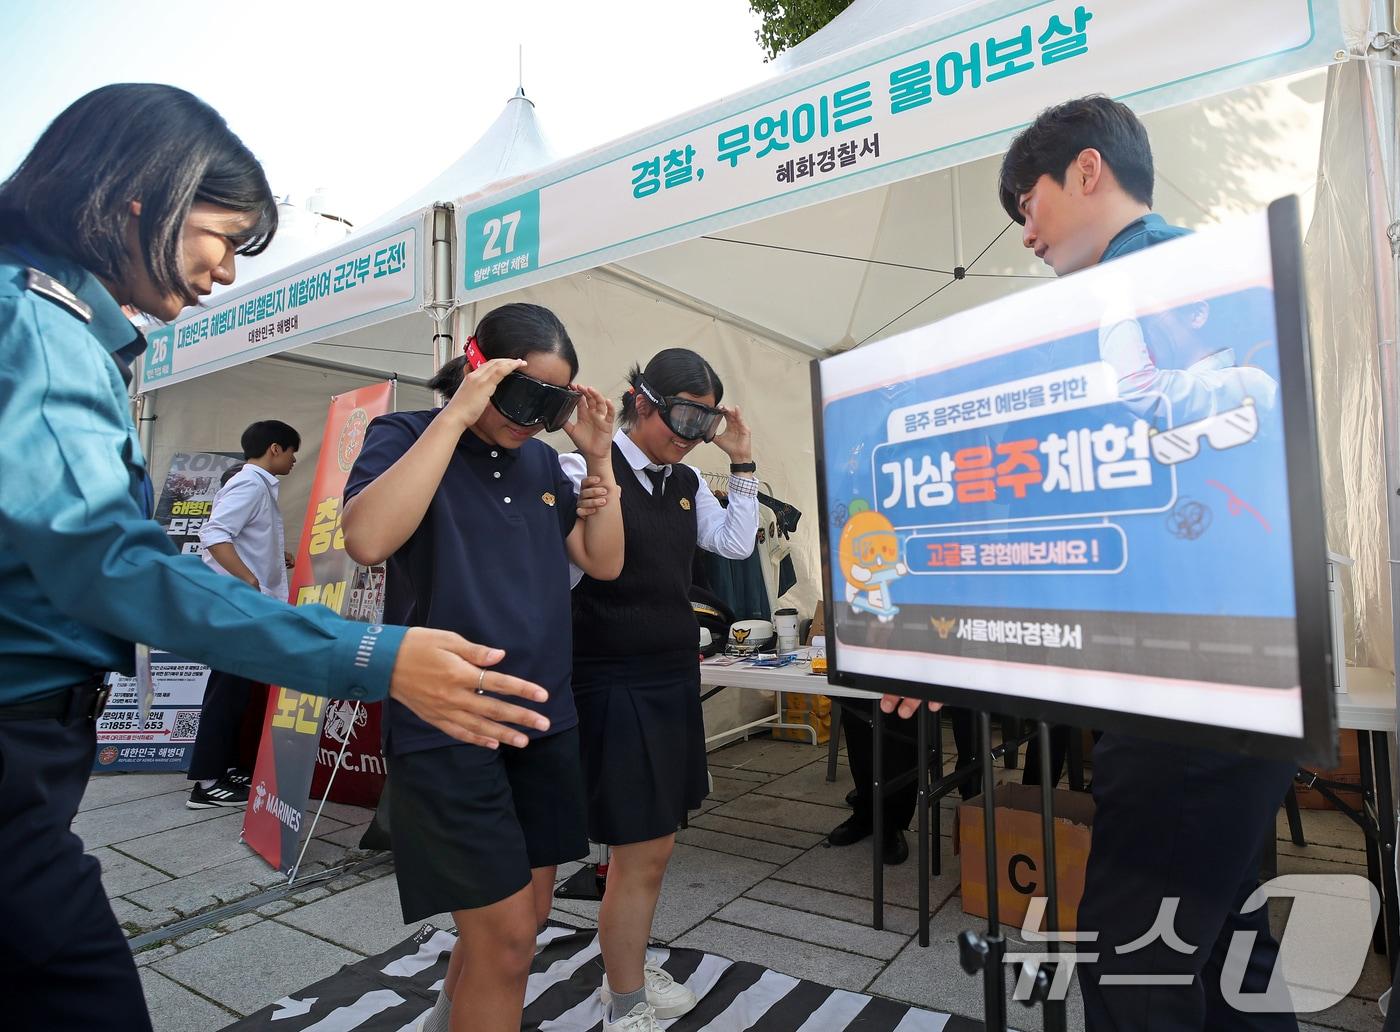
x: 1082, y: 490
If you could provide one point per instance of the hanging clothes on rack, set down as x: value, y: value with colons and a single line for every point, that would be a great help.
x: 751, y: 587
x: 738, y: 583
x: 777, y: 522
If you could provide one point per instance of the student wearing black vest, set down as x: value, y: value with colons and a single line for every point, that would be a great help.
x: 636, y: 675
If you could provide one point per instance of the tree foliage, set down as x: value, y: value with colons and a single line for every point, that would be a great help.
x: 787, y: 23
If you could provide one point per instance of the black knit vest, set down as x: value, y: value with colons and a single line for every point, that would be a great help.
x: 646, y: 611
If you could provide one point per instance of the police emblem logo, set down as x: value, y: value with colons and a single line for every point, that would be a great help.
x: 685, y: 504
x: 548, y: 498
x: 944, y: 627
x: 741, y: 634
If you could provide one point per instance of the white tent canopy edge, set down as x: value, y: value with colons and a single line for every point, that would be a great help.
x: 913, y: 101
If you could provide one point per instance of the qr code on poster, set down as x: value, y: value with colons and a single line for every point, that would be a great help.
x: 186, y: 725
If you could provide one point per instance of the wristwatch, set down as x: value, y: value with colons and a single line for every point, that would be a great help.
x: 743, y: 467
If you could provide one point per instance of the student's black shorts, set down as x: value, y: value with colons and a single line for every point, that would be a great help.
x: 469, y: 824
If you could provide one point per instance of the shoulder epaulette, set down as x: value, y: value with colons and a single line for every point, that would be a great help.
x: 46, y: 286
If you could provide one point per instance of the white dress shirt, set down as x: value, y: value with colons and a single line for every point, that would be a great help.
x: 245, y: 513
x: 729, y: 532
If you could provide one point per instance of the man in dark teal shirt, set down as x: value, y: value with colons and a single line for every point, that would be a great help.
x: 1170, y: 821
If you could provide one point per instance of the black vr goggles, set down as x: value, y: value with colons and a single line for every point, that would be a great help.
x: 526, y: 401
x: 688, y: 420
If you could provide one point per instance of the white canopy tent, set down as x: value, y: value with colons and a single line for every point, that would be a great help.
x: 761, y: 274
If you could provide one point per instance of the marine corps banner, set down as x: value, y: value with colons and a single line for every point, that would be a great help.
x: 350, y: 760
x: 324, y: 575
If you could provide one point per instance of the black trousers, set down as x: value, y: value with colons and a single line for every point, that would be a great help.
x: 1059, y: 752
x: 226, y: 697
x: 1190, y: 824
x: 901, y: 756
x: 64, y: 964
x: 965, y: 737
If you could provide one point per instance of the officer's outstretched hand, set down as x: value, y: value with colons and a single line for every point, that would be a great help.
x: 907, y: 705
x: 436, y: 675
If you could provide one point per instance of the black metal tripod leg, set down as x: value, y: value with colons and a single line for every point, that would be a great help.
x: 1369, y: 810
x: 877, y: 745
x: 1385, y: 825
x: 1295, y: 817
x: 923, y: 838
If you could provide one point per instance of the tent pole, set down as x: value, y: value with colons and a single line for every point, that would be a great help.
x: 444, y: 294
x: 628, y: 278
x: 146, y: 424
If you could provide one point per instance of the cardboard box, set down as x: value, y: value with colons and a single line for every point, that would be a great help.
x: 1348, y: 772
x: 1019, y: 854
x: 812, y: 710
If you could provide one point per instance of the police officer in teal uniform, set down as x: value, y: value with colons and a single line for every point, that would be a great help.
x: 137, y: 195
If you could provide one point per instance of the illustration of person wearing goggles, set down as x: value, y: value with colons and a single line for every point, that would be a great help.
x: 1177, y: 367
x: 869, y: 551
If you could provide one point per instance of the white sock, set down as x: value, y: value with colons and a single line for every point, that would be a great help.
x: 622, y: 1003
x: 208, y: 783
x: 440, y: 1017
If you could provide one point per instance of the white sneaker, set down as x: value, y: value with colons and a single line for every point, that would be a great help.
x: 640, y: 1018
x: 667, y: 997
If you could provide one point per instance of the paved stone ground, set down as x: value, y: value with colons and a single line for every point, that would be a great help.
x: 751, y: 880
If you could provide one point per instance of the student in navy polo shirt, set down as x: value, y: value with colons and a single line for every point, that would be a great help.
x: 477, y: 522
x: 636, y: 676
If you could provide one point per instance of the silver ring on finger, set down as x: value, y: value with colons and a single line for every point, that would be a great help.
x: 480, y: 683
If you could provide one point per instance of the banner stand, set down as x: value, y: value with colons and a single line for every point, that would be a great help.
x: 985, y: 953
x: 1055, y: 1019
x: 311, y: 832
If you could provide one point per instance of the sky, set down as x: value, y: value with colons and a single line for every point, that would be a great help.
x: 371, y: 106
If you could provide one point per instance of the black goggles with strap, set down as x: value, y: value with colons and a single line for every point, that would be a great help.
x: 688, y: 420
x: 526, y: 401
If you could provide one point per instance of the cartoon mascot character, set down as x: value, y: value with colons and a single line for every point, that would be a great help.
x: 870, y: 562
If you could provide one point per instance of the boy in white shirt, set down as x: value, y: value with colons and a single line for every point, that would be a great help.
x: 243, y: 538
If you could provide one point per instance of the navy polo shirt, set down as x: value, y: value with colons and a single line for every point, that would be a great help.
x: 488, y: 561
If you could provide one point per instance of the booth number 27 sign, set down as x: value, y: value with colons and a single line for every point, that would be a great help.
x: 502, y: 240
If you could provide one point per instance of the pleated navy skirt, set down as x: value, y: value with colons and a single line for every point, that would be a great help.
x: 642, y: 742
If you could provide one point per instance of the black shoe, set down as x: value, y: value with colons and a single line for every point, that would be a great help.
x: 221, y: 793
x: 896, y: 849
x: 849, y: 832
x: 851, y: 797
x: 238, y: 777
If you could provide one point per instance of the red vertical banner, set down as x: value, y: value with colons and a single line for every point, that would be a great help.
x: 291, y: 735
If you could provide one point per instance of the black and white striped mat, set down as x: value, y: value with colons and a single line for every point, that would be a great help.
x: 388, y: 993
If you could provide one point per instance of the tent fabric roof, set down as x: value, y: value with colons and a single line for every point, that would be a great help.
x: 511, y: 147
x: 877, y: 262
